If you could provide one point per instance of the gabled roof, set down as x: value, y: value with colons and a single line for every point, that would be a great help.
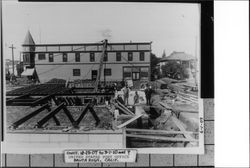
x: 178, y: 56
x: 28, y: 39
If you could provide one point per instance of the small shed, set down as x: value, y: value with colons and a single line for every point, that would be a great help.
x: 31, y: 74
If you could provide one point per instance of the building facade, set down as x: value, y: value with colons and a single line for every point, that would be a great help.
x: 122, y: 61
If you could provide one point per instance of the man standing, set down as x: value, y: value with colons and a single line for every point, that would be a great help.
x: 126, y: 94
x: 147, y: 94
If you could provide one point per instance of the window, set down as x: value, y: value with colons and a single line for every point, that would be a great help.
x: 142, y: 56
x: 127, y: 73
x: 41, y: 56
x: 105, y: 57
x: 77, y: 57
x: 65, y: 57
x: 130, y: 56
x: 144, y: 73
x: 92, y: 57
x: 51, y: 57
x: 76, y: 72
x: 107, y: 72
x: 118, y: 56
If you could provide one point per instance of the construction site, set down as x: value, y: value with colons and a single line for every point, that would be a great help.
x: 168, y: 118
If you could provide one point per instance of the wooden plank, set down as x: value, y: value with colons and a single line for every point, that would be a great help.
x: 129, y: 121
x: 124, y: 107
x: 160, y: 138
x: 160, y: 131
x: 116, y: 105
x: 180, y: 125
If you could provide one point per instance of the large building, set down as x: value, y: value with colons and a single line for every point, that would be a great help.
x: 81, y: 61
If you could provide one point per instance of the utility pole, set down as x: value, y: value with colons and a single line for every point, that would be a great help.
x: 101, y: 65
x: 12, y: 48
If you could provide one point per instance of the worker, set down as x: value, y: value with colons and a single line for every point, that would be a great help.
x: 126, y: 94
x: 136, y: 98
x: 148, y: 92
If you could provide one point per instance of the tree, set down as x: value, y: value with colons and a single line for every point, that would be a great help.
x: 174, y: 70
x: 154, y: 67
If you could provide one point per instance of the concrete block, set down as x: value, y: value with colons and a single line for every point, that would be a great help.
x: 141, y: 160
x: 161, y: 160
x: 208, y: 158
x: 59, y: 161
x: 115, y: 138
x: 98, y: 138
x: 209, y: 109
x: 17, y: 160
x: 41, y: 160
x: 113, y: 164
x: 39, y: 138
x: 185, y: 160
x: 2, y: 162
x: 78, y: 138
x: 90, y: 164
x: 58, y: 138
x: 209, y: 132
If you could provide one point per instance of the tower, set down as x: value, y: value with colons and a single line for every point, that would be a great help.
x: 29, y: 51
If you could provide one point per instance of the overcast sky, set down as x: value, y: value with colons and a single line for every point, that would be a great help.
x: 170, y: 26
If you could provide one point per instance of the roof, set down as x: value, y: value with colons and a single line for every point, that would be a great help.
x: 28, y: 39
x: 28, y: 72
x: 90, y: 44
x: 178, y: 56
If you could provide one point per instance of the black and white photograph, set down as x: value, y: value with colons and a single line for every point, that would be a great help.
x: 102, y: 75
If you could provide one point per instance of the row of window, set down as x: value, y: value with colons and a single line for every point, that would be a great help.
x: 107, y: 72
x: 41, y: 56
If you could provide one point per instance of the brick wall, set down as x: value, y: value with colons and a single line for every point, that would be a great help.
x: 143, y: 160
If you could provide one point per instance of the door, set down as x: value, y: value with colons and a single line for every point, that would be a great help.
x: 94, y: 74
x: 135, y: 75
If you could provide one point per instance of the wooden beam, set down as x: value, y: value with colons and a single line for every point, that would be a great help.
x: 160, y: 138
x: 129, y: 121
x: 125, y: 108
x: 29, y: 116
x: 159, y: 131
x: 116, y: 105
x: 180, y: 125
x: 50, y: 115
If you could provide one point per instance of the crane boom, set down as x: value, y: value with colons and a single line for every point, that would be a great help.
x: 101, y: 65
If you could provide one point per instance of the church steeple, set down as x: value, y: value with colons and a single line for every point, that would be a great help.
x: 28, y: 39
x: 164, y: 54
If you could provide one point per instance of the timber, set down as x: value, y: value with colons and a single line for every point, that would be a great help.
x: 159, y: 131
x: 129, y: 121
x: 161, y: 138
x: 50, y: 115
x: 29, y: 116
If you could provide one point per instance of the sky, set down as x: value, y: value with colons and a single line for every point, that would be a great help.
x: 170, y: 26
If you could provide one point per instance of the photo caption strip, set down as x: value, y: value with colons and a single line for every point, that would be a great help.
x: 97, y: 156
